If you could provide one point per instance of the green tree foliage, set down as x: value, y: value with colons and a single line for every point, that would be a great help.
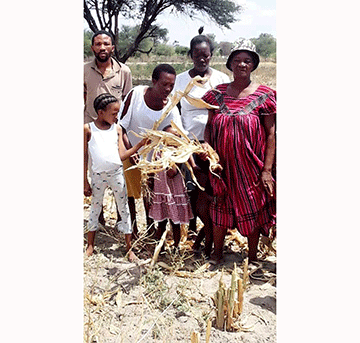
x: 128, y: 35
x: 105, y: 15
x: 265, y: 45
x: 225, y: 48
x: 181, y: 50
x: 87, y: 43
x: 164, y: 50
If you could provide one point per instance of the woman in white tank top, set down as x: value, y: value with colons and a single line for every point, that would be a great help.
x: 140, y: 109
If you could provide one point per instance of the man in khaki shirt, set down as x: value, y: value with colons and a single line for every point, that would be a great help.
x: 104, y: 74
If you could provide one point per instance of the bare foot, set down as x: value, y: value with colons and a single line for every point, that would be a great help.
x: 89, y: 250
x: 132, y: 257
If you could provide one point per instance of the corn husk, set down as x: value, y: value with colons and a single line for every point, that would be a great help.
x: 158, y: 247
x: 246, y: 273
x: 168, y: 150
x: 195, y: 337
x: 231, y: 298
x: 208, y: 331
x: 199, y: 103
x: 118, y: 299
x: 220, y: 303
x: 198, y: 273
x: 240, y: 296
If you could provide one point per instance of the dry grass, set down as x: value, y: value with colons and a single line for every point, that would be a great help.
x: 142, y: 68
x: 105, y: 303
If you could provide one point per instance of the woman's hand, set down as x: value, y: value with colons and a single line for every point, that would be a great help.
x: 197, y: 170
x: 145, y: 141
x: 204, y: 155
x: 134, y: 158
x: 267, y: 182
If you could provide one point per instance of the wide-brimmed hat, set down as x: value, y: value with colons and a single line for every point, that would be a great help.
x: 247, y: 45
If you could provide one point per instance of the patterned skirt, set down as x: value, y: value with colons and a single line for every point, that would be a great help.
x: 170, y: 199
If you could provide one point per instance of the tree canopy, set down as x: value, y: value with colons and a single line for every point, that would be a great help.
x: 128, y: 34
x: 225, y: 48
x: 265, y: 45
x: 105, y: 15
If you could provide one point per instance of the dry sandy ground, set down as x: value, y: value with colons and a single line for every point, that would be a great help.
x: 127, y: 302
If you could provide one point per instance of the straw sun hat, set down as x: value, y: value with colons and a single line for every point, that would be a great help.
x: 243, y: 44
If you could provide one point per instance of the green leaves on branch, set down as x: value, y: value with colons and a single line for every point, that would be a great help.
x: 106, y: 15
x: 265, y: 45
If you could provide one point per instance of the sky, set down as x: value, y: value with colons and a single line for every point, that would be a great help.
x: 257, y: 17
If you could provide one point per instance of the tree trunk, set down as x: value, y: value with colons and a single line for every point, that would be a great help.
x: 89, y: 18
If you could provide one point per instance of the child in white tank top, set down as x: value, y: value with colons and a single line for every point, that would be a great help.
x: 103, y: 141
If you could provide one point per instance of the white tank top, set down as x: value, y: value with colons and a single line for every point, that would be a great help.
x: 139, y: 116
x: 194, y: 119
x: 103, y: 149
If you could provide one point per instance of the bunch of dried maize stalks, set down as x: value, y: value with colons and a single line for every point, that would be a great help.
x: 229, y: 302
x: 167, y: 150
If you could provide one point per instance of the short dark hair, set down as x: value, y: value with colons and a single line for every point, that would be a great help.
x: 102, y: 100
x: 102, y: 32
x: 198, y: 40
x: 166, y: 68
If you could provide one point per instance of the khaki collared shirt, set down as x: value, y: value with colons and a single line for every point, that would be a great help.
x: 117, y: 83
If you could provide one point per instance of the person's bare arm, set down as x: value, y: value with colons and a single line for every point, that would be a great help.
x: 266, y: 175
x: 207, y: 126
x: 207, y: 134
x: 123, y: 151
x: 85, y: 93
x: 126, y: 139
x: 127, y: 85
x: 87, y: 136
x: 171, y: 172
x: 192, y: 162
x: 133, y: 159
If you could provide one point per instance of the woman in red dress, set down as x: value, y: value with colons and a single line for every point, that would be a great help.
x: 242, y: 132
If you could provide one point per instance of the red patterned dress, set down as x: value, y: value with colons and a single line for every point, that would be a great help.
x: 238, y: 136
